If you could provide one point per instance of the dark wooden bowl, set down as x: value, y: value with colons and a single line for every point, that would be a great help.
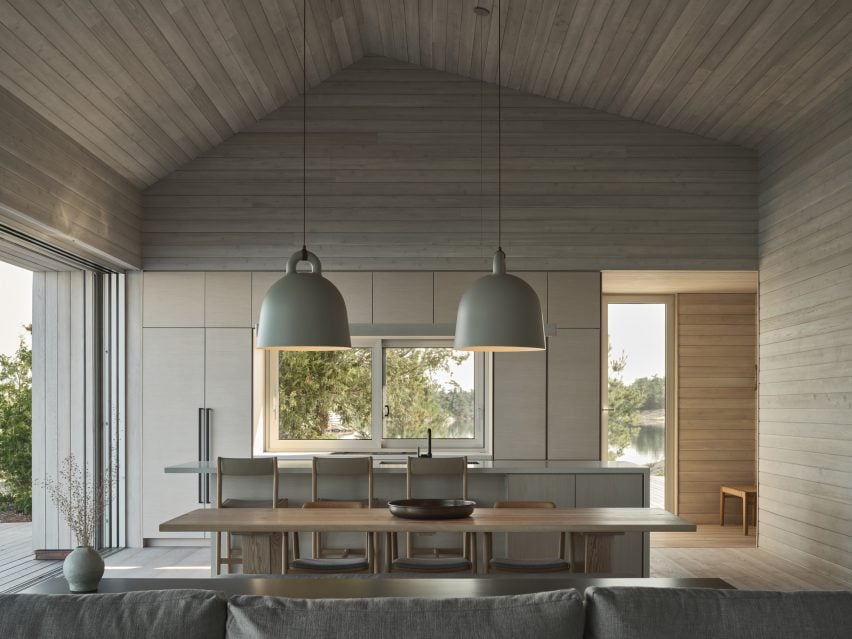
x: 431, y: 508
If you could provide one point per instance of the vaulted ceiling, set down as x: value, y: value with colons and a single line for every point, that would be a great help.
x: 146, y: 85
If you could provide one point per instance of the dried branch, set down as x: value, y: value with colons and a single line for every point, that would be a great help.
x: 79, y: 498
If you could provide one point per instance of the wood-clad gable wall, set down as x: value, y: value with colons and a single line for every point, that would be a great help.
x: 717, y: 384
x: 394, y: 183
x: 805, y: 441
x: 53, y: 189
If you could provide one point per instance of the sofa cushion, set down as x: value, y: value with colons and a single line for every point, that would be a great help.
x: 669, y: 613
x: 542, y: 615
x: 188, y: 614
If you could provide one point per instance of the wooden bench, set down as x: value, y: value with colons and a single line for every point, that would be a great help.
x: 748, y: 495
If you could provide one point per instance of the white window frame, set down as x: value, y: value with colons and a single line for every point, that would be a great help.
x: 479, y: 443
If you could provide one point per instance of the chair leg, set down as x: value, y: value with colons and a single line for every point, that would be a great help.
x: 285, y: 551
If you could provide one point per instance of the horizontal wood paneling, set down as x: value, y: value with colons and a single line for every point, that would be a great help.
x: 55, y: 190
x: 717, y: 341
x: 805, y: 452
x: 394, y: 183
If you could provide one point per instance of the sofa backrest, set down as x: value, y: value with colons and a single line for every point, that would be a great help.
x: 546, y: 615
x: 189, y: 614
x: 675, y: 613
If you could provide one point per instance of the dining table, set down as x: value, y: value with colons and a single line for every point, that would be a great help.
x: 264, y: 542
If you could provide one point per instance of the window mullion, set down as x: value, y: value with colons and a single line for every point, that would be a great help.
x: 378, y: 384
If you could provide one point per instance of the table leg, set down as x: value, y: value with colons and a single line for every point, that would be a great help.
x: 745, y: 514
x: 721, y: 507
x: 598, y: 552
x: 262, y: 553
x: 473, y: 553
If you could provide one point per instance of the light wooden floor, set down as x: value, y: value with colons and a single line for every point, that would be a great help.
x: 725, y: 552
x: 707, y: 536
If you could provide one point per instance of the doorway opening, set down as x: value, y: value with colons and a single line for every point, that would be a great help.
x: 638, y: 388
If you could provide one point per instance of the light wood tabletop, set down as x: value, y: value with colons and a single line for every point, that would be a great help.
x: 598, y: 526
x: 495, y: 520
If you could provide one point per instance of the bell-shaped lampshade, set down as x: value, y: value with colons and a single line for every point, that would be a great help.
x: 499, y: 312
x: 303, y: 311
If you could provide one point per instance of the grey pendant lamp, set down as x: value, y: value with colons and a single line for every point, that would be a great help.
x: 303, y: 311
x: 499, y: 312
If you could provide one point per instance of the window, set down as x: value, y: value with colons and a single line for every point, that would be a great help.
x: 380, y: 394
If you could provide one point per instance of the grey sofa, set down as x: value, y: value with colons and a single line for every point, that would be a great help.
x: 635, y: 613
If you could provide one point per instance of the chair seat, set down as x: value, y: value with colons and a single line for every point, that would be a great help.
x: 253, y: 503
x: 331, y: 564
x: 437, y: 564
x: 531, y: 565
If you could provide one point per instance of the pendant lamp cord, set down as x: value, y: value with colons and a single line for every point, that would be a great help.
x: 499, y: 127
x: 481, y: 130
x: 305, y: 129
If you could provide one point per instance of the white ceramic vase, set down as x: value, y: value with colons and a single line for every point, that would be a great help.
x: 83, y: 569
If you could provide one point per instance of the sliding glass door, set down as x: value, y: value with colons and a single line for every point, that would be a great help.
x: 637, y: 406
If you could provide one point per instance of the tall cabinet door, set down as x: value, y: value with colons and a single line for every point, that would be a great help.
x: 227, y: 373
x: 173, y: 392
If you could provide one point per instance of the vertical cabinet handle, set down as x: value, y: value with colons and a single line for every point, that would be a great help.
x: 200, y: 452
x: 207, y: 426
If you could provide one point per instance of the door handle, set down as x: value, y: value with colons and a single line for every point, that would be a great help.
x: 207, y: 425
x: 200, y: 452
x: 387, y: 411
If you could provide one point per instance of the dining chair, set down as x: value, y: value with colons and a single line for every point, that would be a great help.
x: 240, y: 484
x: 352, y: 481
x: 434, y: 478
x: 558, y: 563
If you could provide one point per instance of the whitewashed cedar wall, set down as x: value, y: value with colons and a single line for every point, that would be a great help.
x: 53, y: 189
x: 394, y: 184
x: 805, y: 430
x: 64, y: 415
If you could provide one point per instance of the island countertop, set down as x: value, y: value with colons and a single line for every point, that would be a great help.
x: 501, y: 467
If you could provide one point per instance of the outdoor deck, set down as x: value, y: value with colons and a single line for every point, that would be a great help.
x: 18, y: 569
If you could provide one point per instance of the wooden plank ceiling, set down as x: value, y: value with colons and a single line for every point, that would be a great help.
x: 147, y: 85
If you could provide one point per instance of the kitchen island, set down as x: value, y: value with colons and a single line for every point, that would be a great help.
x: 579, y: 484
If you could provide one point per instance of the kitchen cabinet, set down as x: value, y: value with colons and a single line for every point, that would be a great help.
x: 574, y: 299
x: 520, y: 405
x: 573, y: 394
x: 629, y: 551
x: 196, y: 374
x: 403, y: 298
x: 187, y: 300
x: 193, y: 379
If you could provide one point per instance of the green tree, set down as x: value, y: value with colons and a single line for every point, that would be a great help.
x: 624, y: 404
x: 319, y: 390
x: 653, y: 390
x: 316, y: 385
x: 16, y: 429
x: 417, y: 401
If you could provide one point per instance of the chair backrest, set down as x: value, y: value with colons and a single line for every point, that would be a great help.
x: 438, y: 468
x: 249, y: 470
x: 353, y: 467
x: 334, y: 503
